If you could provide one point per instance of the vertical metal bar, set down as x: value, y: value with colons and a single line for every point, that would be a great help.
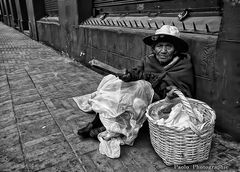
x: 113, y: 23
x: 130, y: 23
x: 184, y: 28
x: 125, y: 23
x: 95, y: 23
x: 149, y: 25
x: 136, y: 23
x: 207, y: 28
x: 194, y: 27
x: 121, y: 23
x: 118, y: 23
x: 98, y: 22
x: 156, y: 25
x: 108, y: 22
x: 142, y: 24
x: 91, y: 22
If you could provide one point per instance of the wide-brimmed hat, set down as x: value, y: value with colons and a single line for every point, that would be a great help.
x: 170, y: 34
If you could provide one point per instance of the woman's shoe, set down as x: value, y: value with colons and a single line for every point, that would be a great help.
x: 94, y: 132
x: 84, y: 132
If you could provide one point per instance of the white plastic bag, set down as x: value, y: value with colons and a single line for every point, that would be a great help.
x: 110, y: 148
x: 121, y: 105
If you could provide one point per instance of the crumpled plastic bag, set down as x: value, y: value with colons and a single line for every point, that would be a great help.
x: 110, y: 148
x: 178, y: 118
x: 121, y: 105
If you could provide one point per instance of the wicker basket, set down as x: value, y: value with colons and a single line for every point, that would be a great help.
x: 187, y: 146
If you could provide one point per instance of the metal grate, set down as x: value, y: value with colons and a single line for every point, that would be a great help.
x: 204, y: 7
x: 51, y: 7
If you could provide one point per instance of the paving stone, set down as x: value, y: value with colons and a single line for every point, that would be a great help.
x: 21, y: 88
x: 70, y: 120
x: 48, y: 159
x: 5, y: 95
x: 23, y: 92
x: 12, y: 167
x: 11, y: 157
x: 5, y: 107
x: 82, y: 146
x: 31, y: 111
x: 57, y: 145
x: 44, y: 77
x: 26, y: 99
x: 89, y: 165
x: 19, y: 82
x: 104, y: 163
x: 71, y: 165
x: 6, y: 115
x: 7, y: 122
x: 33, y: 117
x: 4, y: 87
x: 9, y: 137
x: 18, y: 75
x: 38, y: 129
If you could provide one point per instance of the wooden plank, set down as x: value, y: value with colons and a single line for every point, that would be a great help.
x: 106, y: 67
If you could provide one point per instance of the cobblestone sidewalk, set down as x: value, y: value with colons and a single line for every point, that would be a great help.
x: 39, y: 120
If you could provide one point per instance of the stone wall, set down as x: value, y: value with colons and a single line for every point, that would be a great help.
x: 122, y: 47
x: 50, y: 34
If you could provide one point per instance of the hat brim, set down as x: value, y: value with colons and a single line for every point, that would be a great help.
x: 178, y: 43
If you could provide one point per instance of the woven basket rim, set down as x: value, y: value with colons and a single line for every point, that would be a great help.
x: 209, y: 109
x: 181, y: 131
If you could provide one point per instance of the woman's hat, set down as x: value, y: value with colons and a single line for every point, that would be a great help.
x: 170, y: 34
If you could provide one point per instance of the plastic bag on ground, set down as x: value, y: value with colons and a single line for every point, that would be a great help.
x: 121, y: 105
x: 110, y: 148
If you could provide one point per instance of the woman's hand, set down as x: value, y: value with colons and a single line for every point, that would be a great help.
x: 170, y: 93
x: 125, y: 77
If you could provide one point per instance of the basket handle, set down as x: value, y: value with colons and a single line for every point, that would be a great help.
x: 188, y: 109
x: 184, y: 101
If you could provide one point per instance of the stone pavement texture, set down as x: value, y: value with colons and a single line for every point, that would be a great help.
x: 39, y: 119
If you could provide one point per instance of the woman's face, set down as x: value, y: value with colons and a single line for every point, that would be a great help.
x: 164, y: 51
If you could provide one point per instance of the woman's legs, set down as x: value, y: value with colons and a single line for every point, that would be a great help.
x: 92, y: 129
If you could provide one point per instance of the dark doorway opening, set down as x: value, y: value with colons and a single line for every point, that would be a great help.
x: 14, y: 12
x: 24, y: 13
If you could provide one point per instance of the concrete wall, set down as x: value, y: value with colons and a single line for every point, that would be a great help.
x: 227, y: 95
x: 50, y: 34
x: 57, y: 32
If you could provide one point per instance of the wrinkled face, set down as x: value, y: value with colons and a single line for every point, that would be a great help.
x: 164, y: 51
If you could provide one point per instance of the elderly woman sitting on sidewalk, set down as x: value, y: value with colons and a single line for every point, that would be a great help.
x: 166, y: 67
